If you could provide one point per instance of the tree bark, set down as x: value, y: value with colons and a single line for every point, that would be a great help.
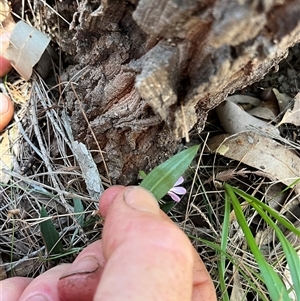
x: 146, y: 71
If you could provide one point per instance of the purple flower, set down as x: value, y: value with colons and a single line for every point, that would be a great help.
x: 177, y: 190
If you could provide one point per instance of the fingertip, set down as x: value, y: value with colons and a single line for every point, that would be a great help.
x: 136, y: 197
x: 108, y: 197
x: 12, y: 288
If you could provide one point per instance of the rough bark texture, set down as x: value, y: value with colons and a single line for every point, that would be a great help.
x: 147, y: 71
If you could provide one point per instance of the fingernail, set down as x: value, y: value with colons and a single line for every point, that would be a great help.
x: 88, y: 264
x: 37, y: 298
x: 140, y: 199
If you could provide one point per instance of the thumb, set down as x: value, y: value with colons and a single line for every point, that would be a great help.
x: 148, y: 258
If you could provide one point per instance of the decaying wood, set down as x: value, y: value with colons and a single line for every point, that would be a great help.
x: 147, y: 71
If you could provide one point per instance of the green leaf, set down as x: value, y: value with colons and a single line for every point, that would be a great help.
x: 291, y: 255
x: 162, y: 178
x: 289, y: 251
x: 142, y: 174
x: 224, y: 240
x: 50, y: 235
x: 275, y: 286
x: 167, y: 206
x: 248, y: 272
x: 280, y: 218
x: 78, y: 208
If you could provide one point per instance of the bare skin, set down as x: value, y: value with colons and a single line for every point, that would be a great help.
x: 143, y: 255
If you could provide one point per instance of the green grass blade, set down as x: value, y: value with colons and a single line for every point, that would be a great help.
x: 50, y: 235
x: 142, y: 174
x: 275, y: 286
x: 73, y: 251
x: 216, y: 247
x: 281, y: 219
x: 224, y: 240
x: 225, y: 228
x: 78, y: 208
x: 292, y: 185
x: 289, y: 251
x: 162, y: 178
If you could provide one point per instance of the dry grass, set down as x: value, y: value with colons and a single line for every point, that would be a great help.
x: 46, y: 173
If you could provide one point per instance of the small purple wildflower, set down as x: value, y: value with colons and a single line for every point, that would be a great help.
x: 177, y: 190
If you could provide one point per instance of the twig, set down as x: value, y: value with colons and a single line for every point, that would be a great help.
x: 47, y: 161
x: 194, y: 178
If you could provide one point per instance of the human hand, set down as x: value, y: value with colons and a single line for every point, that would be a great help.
x: 143, y: 255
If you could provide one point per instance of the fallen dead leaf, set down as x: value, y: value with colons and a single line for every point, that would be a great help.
x: 260, y: 152
x: 282, y: 99
x: 236, y: 120
x: 263, y: 112
x: 266, y: 110
x: 293, y: 116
